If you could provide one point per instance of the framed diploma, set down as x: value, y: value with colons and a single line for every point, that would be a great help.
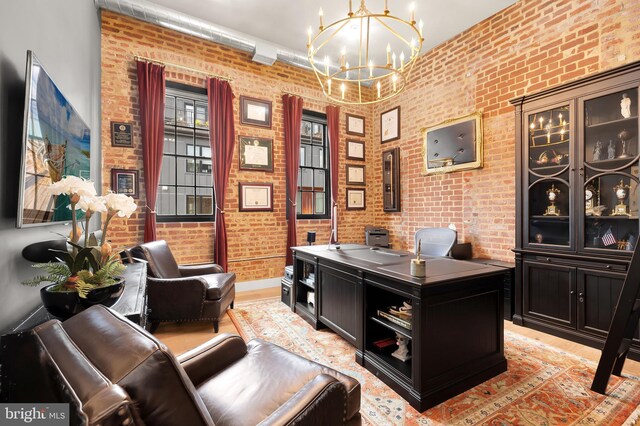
x: 255, y: 112
x: 256, y: 153
x: 390, y: 125
x: 125, y: 182
x: 256, y: 197
x: 355, y: 150
x: 355, y: 199
x: 355, y: 175
x: 355, y: 125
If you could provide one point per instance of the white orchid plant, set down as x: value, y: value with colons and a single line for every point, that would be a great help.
x: 93, y: 264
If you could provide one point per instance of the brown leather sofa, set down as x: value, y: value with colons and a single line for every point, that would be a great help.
x: 183, y: 292
x: 113, y: 372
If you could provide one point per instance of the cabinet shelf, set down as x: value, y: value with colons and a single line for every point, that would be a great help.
x: 630, y: 120
x: 612, y: 217
x: 394, y: 327
x: 548, y: 168
x: 306, y: 284
x: 402, y: 367
x: 611, y: 164
x: 541, y: 217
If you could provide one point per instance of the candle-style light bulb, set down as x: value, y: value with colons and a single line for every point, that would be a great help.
x: 393, y: 59
x: 343, y: 89
x: 420, y: 25
x: 541, y: 120
x: 329, y: 86
x: 350, y: 8
x: 394, y: 79
x: 388, y: 53
x: 347, y: 73
x: 309, y: 32
x: 533, y: 125
x: 401, y: 61
x: 378, y: 86
x: 321, y: 14
x: 386, y: 7
x: 412, y: 8
x: 370, y: 69
x: 413, y: 46
x: 560, y: 117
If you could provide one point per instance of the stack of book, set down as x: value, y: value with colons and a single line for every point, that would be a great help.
x: 397, y: 317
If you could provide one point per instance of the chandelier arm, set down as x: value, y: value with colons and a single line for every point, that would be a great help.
x: 394, y: 32
x: 366, y: 62
x: 329, y: 38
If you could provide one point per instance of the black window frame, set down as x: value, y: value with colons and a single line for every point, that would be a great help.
x: 318, y: 118
x: 195, y: 94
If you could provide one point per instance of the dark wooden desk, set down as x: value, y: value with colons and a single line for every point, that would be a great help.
x: 132, y: 303
x: 456, y: 335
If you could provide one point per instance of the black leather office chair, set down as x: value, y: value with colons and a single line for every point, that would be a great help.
x: 435, y: 241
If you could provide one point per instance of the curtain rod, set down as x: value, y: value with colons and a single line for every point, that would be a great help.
x: 221, y: 77
x: 284, y: 92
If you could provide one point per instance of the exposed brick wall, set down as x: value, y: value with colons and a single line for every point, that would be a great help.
x: 529, y: 46
x: 250, y: 235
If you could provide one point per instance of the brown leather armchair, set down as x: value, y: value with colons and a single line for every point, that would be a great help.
x: 183, y: 292
x: 114, y: 373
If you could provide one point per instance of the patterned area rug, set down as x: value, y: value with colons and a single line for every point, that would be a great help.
x: 543, y: 386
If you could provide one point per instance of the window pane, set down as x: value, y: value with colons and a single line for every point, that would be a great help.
x: 186, y: 171
x: 307, y: 178
x: 168, y: 172
x: 185, y: 141
x: 184, y: 112
x: 186, y: 201
x: 166, y: 203
x: 320, y: 197
x: 202, y: 119
x: 169, y: 109
x: 299, y: 203
x: 202, y: 144
x: 305, y: 155
x: 317, y: 133
x: 305, y: 130
x: 319, y: 180
x: 307, y: 202
x: 169, y: 140
x: 204, y: 201
x: 203, y: 173
x: 318, y: 157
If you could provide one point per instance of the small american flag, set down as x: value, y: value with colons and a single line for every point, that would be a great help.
x: 608, y: 238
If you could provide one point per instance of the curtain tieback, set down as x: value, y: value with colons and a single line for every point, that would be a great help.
x: 150, y: 210
x: 292, y: 203
x: 220, y: 210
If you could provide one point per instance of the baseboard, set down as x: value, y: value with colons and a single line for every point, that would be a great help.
x: 258, y: 284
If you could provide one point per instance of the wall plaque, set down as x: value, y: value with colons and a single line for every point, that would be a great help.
x: 121, y: 134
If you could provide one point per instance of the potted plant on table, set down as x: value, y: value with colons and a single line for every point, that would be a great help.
x: 89, y: 272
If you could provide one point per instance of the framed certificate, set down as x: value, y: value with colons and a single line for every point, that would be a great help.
x: 390, y: 125
x: 355, y: 150
x: 355, y: 199
x: 255, y: 112
x: 125, y: 182
x: 256, y: 153
x: 355, y: 125
x: 355, y: 175
x: 256, y: 197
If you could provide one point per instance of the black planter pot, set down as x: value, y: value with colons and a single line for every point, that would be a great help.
x: 65, y: 304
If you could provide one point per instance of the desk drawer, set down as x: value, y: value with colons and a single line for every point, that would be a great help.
x: 583, y: 264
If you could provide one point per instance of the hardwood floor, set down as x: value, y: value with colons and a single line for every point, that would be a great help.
x: 182, y: 337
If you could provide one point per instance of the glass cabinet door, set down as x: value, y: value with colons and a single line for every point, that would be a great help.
x: 549, y: 196
x: 611, y: 171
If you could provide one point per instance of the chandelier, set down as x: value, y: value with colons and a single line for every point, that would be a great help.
x: 377, y: 52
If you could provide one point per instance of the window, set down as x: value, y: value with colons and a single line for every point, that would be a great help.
x: 185, y: 192
x: 313, y: 199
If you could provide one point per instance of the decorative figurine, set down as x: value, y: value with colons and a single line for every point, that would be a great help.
x: 624, y: 137
x: 625, y: 106
x: 589, y: 201
x: 402, y: 353
x: 552, y: 195
x: 539, y: 238
x: 611, y: 151
x: 621, y: 190
x: 597, y: 151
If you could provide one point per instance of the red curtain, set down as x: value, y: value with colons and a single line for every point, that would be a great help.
x: 333, y: 127
x: 151, y: 91
x: 223, y: 140
x: 292, y: 122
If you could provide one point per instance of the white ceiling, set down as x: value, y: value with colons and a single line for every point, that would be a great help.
x: 285, y: 22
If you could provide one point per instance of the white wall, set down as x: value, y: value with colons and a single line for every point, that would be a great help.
x: 65, y: 36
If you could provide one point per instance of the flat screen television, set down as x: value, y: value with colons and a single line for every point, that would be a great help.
x: 56, y: 142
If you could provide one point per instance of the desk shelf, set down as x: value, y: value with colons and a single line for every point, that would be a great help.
x: 391, y: 326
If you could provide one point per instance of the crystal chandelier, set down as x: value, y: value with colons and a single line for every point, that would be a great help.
x: 377, y: 51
